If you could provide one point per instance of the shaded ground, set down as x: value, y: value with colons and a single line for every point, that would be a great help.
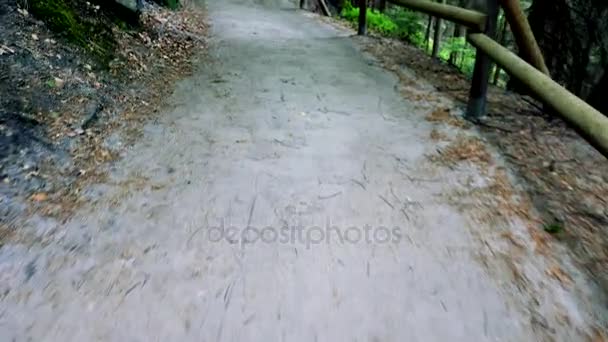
x: 63, y: 112
x: 379, y: 225
x: 565, y: 179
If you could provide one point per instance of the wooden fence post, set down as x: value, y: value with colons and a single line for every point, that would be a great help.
x: 481, y: 74
x: 362, y: 17
x: 302, y: 4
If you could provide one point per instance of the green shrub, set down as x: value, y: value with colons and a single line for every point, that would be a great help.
x: 410, y: 26
x: 466, y: 52
x: 65, y: 18
x: 376, y: 21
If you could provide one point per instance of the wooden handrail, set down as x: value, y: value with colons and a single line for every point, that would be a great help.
x: 470, y: 18
x: 592, y: 124
x: 588, y: 121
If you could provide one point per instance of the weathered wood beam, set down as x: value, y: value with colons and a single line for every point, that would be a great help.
x: 522, y: 32
x: 589, y: 122
x: 478, y: 95
x: 472, y: 19
x: 324, y: 8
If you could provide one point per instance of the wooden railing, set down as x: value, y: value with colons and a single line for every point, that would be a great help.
x: 589, y: 122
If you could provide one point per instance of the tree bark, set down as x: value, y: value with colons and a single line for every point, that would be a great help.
x: 502, y: 38
x: 380, y: 5
x: 437, y: 36
x: 427, y: 35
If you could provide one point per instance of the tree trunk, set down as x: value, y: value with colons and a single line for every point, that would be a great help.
x: 459, y: 32
x: 437, y: 36
x: 427, y: 35
x: 566, y: 31
x: 380, y: 5
x: 502, y: 38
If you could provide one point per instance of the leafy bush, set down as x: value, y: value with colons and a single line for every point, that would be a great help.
x: 409, y: 25
x: 466, y: 52
x: 398, y: 22
x: 376, y: 21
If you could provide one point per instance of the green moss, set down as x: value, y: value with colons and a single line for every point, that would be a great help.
x: 64, y: 17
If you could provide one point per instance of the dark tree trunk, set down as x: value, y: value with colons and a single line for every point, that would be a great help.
x: 598, y: 95
x: 427, y: 35
x: 567, y: 31
x: 437, y: 36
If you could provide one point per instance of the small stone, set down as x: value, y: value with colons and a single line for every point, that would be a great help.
x: 59, y: 83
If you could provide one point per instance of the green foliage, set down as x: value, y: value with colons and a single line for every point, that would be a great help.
x: 466, y: 53
x: 409, y: 25
x: 396, y: 22
x: 553, y: 228
x: 401, y: 23
x: 65, y: 17
x: 375, y: 21
x: 50, y: 83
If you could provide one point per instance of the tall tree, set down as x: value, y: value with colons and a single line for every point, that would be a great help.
x: 437, y: 37
x: 427, y: 35
x: 568, y: 33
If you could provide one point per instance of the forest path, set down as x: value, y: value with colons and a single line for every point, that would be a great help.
x: 290, y: 125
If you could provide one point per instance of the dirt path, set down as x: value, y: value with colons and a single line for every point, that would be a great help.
x: 290, y: 128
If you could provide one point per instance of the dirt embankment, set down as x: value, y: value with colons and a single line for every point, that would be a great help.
x: 565, y: 179
x: 72, y: 101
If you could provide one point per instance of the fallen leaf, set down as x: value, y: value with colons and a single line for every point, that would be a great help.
x: 39, y: 197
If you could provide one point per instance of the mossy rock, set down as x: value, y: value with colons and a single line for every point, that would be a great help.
x: 69, y: 19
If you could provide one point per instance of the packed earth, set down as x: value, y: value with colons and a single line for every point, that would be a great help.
x: 245, y: 170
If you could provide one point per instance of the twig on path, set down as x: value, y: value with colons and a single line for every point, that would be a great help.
x: 330, y: 196
x: 358, y: 183
x: 387, y: 202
